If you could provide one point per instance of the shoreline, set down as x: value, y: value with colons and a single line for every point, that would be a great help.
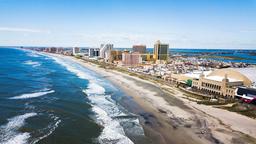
x: 171, y: 117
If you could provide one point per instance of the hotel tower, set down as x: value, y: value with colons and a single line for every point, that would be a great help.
x: 161, y: 51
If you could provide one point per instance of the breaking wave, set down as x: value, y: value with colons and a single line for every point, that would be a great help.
x: 33, y: 95
x: 105, y: 110
x: 49, y: 129
x: 9, y: 133
x: 32, y: 53
x: 73, y: 68
x: 103, y: 106
x: 32, y: 63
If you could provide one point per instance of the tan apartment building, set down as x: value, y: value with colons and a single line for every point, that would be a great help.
x: 131, y: 59
x: 115, y: 55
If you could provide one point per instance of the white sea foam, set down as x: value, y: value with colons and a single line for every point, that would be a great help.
x: 104, y: 107
x: 32, y: 63
x: 18, y: 139
x: 33, y: 53
x: 105, y: 110
x: 73, y: 68
x: 9, y: 133
x: 94, y: 88
x: 33, y: 95
x: 50, y: 129
x: 113, y: 131
x: 105, y: 102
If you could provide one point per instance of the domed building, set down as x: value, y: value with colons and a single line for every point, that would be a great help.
x: 224, y: 82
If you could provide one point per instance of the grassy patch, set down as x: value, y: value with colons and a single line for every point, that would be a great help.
x: 212, y: 103
x: 196, y: 96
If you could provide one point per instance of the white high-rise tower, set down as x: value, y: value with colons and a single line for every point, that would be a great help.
x: 105, y: 51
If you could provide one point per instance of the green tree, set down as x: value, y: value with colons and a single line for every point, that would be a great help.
x: 189, y: 82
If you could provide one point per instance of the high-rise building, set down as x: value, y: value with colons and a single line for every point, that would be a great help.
x: 131, y: 59
x: 139, y: 48
x: 52, y: 49
x: 105, y: 51
x: 161, y: 51
x: 94, y: 52
x: 76, y: 50
x: 60, y: 50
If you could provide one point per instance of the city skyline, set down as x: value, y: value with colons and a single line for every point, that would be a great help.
x: 182, y: 24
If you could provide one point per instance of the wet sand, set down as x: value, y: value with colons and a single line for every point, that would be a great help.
x: 167, y: 118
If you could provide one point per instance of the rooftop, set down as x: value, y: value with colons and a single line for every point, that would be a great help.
x: 196, y: 74
x: 250, y: 73
x: 220, y: 78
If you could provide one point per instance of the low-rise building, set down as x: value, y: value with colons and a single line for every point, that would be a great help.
x: 246, y: 94
x: 115, y: 55
x: 217, y: 85
x: 220, y: 82
x: 147, y: 57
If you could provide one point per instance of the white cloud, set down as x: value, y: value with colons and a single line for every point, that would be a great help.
x: 27, y: 30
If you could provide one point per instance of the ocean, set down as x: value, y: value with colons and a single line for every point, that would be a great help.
x: 49, y: 100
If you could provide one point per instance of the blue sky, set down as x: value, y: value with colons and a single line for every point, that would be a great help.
x: 181, y: 23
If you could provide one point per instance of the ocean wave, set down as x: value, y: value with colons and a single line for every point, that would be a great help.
x: 103, y: 106
x: 9, y: 133
x: 105, y: 102
x: 106, y: 111
x: 33, y: 95
x: 32, y: 63
x: 94, y: 88
x: 49, y: 129
x: 29, y: 52
x: 74, y: 68
x: 113, y: 131
x: 33, y: 54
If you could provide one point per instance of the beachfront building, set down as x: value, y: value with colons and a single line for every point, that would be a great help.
x: 51, y: 49
x: 131, y: 59
x: 161, y: 51
x: 139, y: 48
x: 76, y: 50
x: 217, y: 85
x: 220, y: 82
x: 115, y: 55
x: 60, y: 50
x: 105, y: 51
x: 93, y: 52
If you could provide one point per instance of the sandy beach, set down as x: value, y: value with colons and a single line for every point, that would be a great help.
x: 170, y: 118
